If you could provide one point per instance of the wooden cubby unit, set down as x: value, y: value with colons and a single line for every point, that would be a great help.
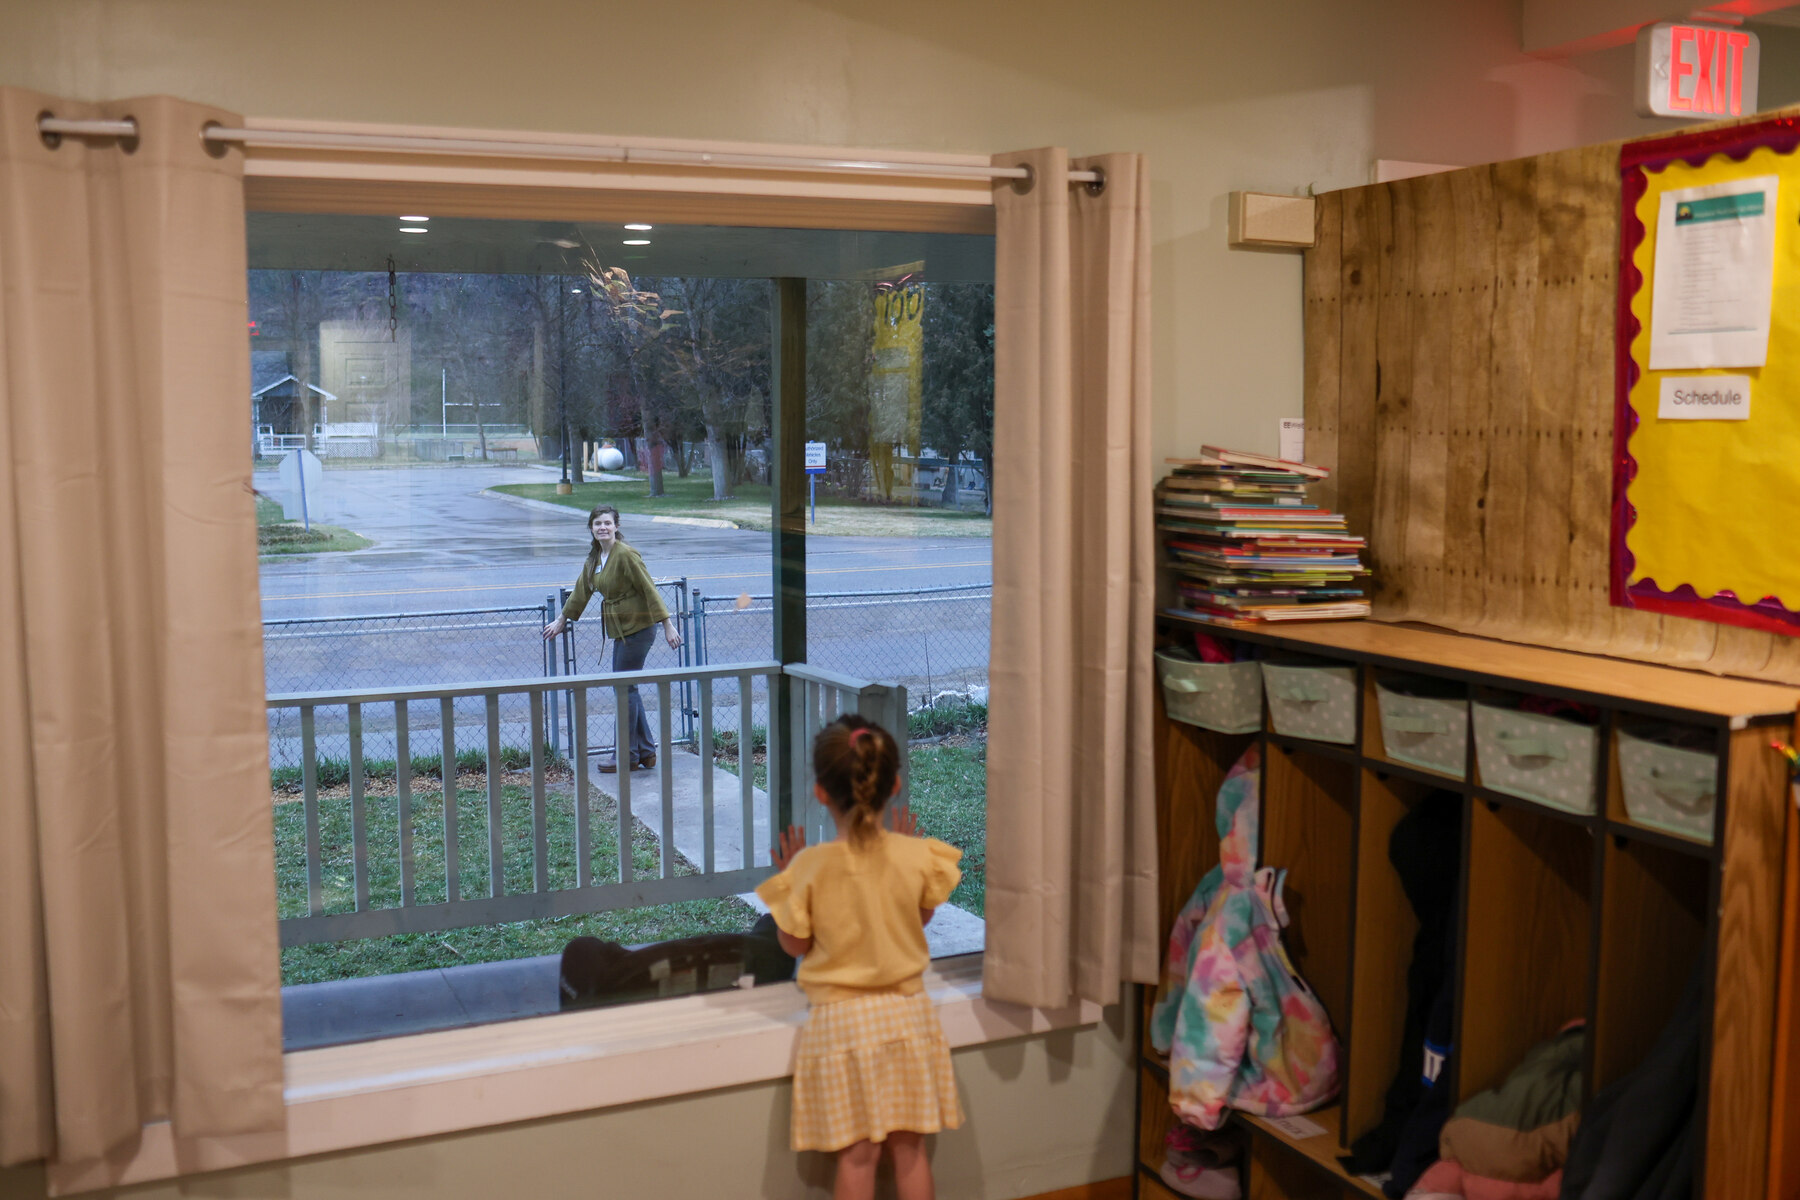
x: 1562, y: 915
x: 1382, y: 950
x: 1526, y: 937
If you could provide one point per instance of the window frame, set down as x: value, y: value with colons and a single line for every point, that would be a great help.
x: 343, y: 1097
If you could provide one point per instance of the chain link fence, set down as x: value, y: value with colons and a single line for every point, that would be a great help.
x: 365, y: 653
x: 933, y: 641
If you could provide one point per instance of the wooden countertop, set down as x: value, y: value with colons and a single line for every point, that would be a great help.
x: 1599, y: 679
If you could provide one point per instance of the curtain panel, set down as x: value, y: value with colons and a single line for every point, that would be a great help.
x: 1071, y: 899
x: 139, y: 955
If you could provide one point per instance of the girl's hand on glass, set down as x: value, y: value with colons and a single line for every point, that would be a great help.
x: 903, y: 821
x: 555, y: 628
x: 793, y: 841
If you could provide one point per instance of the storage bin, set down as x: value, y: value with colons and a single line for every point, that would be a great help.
x: 1547, y: 759
x: 1225, y: 697
x: 1310, y: 701
x: 1425, y: 722
x: 1667, y: 786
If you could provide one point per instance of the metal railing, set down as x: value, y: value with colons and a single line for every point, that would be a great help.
x: 932, y: 640
x: 387, y: 650
x: 714, y: 868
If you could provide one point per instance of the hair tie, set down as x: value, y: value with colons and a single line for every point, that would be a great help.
x: 856, y: 733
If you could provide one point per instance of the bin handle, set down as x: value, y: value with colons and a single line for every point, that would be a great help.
x: 1527, y: 745
x: 1688, y: 795
x: 1416, y: 725
x: 1298, y: 688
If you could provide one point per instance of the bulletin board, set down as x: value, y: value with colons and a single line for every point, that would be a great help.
x: 1706, y: 500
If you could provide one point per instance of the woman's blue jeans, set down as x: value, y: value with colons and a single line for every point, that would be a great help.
x: 628, y: 655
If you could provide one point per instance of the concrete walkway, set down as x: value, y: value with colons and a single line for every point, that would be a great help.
x: 350, y: 1010
x: 952, y: 931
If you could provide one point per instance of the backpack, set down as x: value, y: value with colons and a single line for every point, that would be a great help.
x: 1241, y: 1028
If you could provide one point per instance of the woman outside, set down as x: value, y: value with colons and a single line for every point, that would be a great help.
x: 630, y: 611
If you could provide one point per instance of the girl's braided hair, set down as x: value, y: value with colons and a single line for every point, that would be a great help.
x: 857, y: 761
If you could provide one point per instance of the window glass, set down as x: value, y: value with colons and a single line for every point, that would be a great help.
x: 900, y: 407
x: 436, y: 405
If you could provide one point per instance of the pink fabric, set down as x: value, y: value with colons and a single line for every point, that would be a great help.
x: 1446, y: 1178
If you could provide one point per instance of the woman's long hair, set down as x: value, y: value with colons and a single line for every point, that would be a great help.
x: 857, y: 761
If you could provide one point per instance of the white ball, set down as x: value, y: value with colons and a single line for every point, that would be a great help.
x: 610, y: 459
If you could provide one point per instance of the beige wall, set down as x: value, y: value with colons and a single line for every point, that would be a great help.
x: 1043, y: 1113
x: 1222, y: 94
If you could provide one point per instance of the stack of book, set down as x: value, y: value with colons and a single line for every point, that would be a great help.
x: 1247, y: 546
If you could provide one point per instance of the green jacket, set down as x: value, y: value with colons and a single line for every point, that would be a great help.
x: 629, y: 599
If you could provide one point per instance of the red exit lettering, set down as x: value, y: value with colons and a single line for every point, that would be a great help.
x: 1713, y: 59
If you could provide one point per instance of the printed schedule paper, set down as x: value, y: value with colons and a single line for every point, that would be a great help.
x: 1704, y: 398
x: 1715, y: 266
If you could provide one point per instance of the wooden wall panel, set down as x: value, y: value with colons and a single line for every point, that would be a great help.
x: 1469, y: 420
x: 1359, y: 284
x: 1392, y: 402
x: 1434, y: 268
x: 1470, y: 388
x: 1324, y: 338
x: 1515, y: 288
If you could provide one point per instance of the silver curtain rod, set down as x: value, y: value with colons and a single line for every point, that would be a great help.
x: 56, y: 127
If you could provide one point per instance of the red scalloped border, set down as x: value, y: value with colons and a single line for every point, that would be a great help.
x: 1636, y: 160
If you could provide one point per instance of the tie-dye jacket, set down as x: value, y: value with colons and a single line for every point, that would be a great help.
x: 1241, y: 1028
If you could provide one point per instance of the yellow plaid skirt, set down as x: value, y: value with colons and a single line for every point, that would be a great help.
x: 871, y: 1066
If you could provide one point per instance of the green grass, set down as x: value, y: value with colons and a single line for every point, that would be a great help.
x: 335, y: 772
x: 423, y: 951
x: 749, y: 508
x: 949, y: 796
x: 953, y: 717
x: 275, y: 534
x: 726, y: 742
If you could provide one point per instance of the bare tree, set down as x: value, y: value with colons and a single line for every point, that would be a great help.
x: 720, y: 360
x: 638, y: 322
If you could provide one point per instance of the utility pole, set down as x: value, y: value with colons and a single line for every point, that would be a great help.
x: 562, y: 378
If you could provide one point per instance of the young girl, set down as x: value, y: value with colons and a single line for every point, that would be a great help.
x: 872, y: 1064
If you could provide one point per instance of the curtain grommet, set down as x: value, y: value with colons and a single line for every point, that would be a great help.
x: 1096, y: 187
x: 51, y: 141
x: 1023, y: 186
x: 214, y: 147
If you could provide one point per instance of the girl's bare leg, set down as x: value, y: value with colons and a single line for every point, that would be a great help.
x: 856, y: 1172
x: 912, y: 1169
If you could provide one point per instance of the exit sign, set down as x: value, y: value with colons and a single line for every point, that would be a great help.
x: 1691, y: 70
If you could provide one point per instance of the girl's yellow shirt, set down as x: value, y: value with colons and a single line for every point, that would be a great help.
x: 861, y: 909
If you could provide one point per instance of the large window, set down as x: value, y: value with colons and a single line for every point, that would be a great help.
x: 436, y: 405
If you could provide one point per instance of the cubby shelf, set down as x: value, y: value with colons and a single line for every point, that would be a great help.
x: 1562, y: 914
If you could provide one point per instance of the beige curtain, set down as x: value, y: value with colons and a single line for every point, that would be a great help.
x: 139, y: 968
x: 1071, y: 893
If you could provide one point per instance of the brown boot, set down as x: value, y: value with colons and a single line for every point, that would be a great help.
x: 645, y: 763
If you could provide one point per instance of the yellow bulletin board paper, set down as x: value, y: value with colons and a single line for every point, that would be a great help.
x: 1706, y: 511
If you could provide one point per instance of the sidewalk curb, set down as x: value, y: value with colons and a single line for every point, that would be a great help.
x: 703, y: 522
x: 564, y: 509
x: 522, y: 502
